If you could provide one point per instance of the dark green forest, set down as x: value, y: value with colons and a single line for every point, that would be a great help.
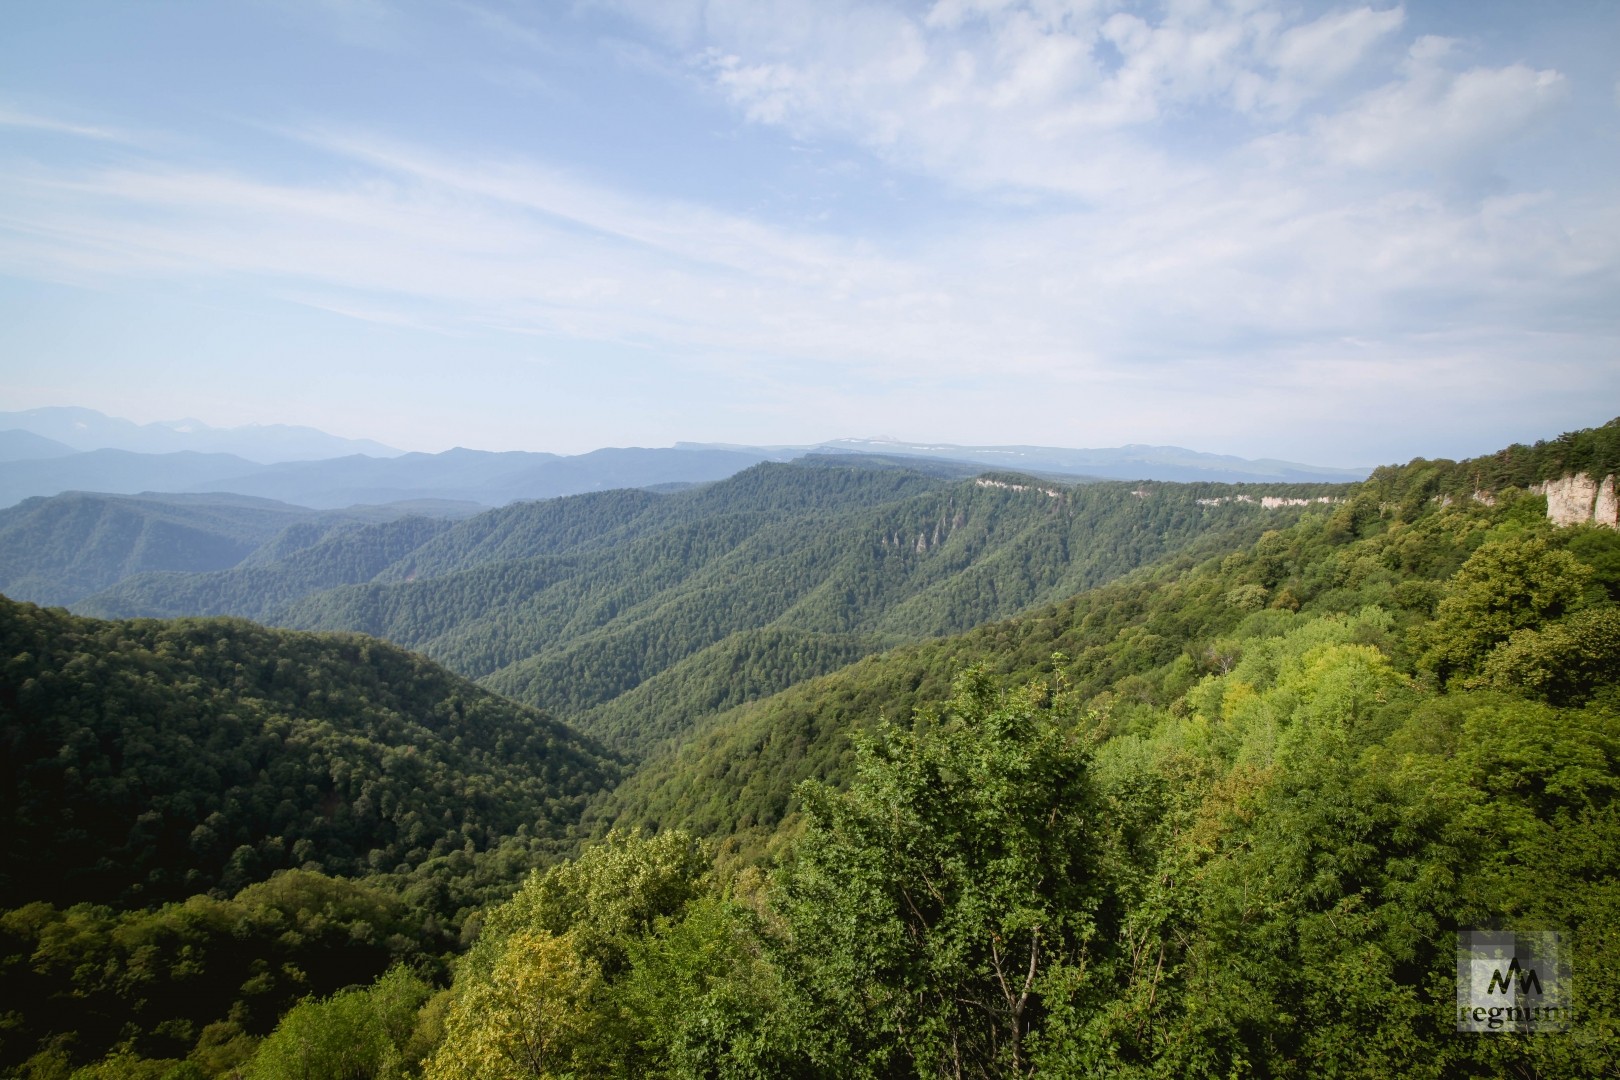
x: 1223, y: 815
x: 594, y: 605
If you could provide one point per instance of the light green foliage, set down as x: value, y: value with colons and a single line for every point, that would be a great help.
x: 357, y: 1034
x: 558, y: 981
x: 702, y: 999
x: 1250, y: 597
x: 613, y: 892
x: 532, y: 1014
x: 126, y: 1066
x: 936, y: 902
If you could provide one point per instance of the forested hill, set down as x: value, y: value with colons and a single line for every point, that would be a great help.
x: 146, y: 761
x: 687, y: 603
x: 57, y: 550
x: 61, y: 549
x: 1594, y: 451
x: 1140, y: 645
x: 318, y: 556
x: 1223, y: 816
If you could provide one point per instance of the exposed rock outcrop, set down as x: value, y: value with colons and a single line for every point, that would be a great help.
x: 1578, y: 499
x: 982, y: 482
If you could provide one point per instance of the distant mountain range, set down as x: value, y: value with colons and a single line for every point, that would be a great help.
x: 1134, y: 462
x: 45, y: 452
x: 86, y: 429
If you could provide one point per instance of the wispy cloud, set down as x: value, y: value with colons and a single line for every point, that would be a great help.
x: 1225, y: 207
x: 13, y: 117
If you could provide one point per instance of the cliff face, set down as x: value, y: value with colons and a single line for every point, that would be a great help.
x: 1574, y: 500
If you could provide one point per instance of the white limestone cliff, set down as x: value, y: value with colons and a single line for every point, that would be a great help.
x: 1575, y: 500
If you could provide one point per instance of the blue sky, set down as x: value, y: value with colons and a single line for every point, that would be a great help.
x: 1330, y: 233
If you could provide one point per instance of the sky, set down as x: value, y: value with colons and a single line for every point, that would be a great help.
x: 1335, y: 234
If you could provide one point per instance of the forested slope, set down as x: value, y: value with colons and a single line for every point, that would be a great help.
x: 147, y: 761
x: 57, y: 550
x: 1141, y: 642
x: 1222, y: 817
x: 1226, y: 818
x: 335, y: 555
x: 850, y: 559
x: 711, y: 596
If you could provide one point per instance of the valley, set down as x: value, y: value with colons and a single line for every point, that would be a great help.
x: 688, y: 756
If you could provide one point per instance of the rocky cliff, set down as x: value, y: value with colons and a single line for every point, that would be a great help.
x: 1574, y: 500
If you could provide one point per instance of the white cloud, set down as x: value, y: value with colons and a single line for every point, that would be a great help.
x: 1241, y: 220
x: 1434, y: 117
x: 1037, y: 94
x: 1311, y: 57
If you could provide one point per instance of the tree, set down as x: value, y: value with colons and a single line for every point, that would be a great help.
x: 531, y: 999
x: 932, y: 901
x: 1506, y: 585
x: 1565, y: 661
x: 356, y: 1034
x: 528, y: 1019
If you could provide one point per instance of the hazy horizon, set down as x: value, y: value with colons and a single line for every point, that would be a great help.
x: 1336, y: 235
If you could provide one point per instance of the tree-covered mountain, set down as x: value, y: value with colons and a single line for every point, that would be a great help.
x: 1226, y: 817
x: 1222, y: 816
x: 1135, y: 462
x: 1594, y: 451
x: 318, y: 555
x: 710, y: 596
x: 146, y: 761
x: 59, y: 550
x: 1146, y: 639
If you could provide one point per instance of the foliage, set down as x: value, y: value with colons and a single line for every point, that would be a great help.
x: 933, y: 904
x: 201, y: 978
x: 1221, y: 817
x: 59, y: 549
x: 1594, y: 451
x: 708, y: 597
x: 1566, y: 662
x: 1506, y: 585
x: 148, y: 761
x: 341, y: 556
x: 355, y: 1034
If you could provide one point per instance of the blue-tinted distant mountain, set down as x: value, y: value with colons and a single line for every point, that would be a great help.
x: 57, y: 550
x: 460, y: 476
x: 1134, y: 462
x: 493, y: 479
x: 18, y: 445
x: 87, y: 429
x: 119, y: 472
